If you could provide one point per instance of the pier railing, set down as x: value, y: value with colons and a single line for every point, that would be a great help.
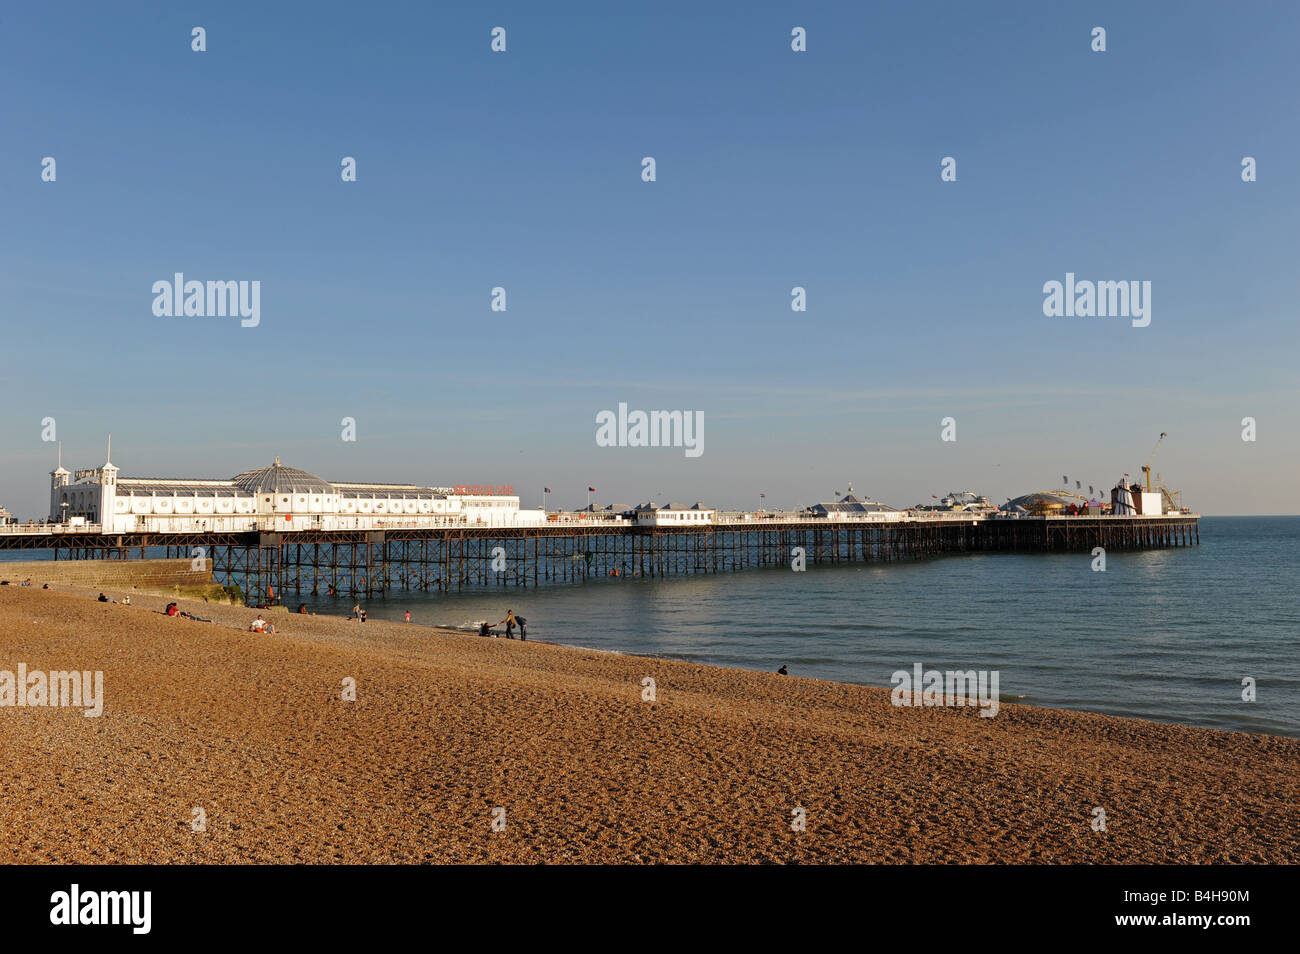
x: 45, y: 529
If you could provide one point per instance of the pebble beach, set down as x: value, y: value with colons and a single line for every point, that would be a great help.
x: 460, y: 749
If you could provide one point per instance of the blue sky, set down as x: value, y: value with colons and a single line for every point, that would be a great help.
x: 775, y: 169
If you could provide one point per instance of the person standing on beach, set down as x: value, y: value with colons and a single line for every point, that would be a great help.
x: 356, y: 611
x: 523, y: 633
x: 408, y: 616
x: 510, y: 624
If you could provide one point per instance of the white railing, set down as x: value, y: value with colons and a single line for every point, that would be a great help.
x: 331, y: 522
x: 47, y: 528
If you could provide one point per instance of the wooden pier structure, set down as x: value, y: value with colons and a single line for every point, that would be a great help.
x: 370, y: 563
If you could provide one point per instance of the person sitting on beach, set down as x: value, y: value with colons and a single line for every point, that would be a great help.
x: 783, y: 671
x: 258, y: 625
x: 172, y: 609
x: 26, y: 582
x: 302, y: 609
x: 484, y: 629
x: 104, y: 599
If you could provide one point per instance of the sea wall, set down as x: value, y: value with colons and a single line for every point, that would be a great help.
x: 168, y: 577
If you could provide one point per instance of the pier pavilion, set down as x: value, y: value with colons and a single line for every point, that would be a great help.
x: 278, y: 498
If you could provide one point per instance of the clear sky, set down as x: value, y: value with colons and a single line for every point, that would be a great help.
x: 774, y: 169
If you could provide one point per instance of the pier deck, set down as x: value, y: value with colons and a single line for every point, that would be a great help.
x: 372, y: 562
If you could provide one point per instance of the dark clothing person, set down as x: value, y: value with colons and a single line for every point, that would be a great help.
x: 783, y: 671
x: 103, y: 598
x: 523, y: 633
x: 484, y: 629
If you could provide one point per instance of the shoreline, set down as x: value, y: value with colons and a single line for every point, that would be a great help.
x: 447, y: 726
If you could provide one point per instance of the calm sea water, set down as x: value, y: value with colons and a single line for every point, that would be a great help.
x: 1166, y: 635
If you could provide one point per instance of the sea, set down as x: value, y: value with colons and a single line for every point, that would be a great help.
x: 1204, y: 635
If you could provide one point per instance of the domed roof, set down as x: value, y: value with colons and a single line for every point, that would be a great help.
x: 278, y: 479
x: 1039, y: 504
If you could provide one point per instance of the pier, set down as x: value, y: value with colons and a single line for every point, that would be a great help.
x: 569, y: 548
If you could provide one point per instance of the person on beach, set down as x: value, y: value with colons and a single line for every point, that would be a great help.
x: 356, y: 611
x: 302, y: 609
x: 783, y: 671
x: 510, y: 624
x: 484, y: 629
x: 523, y: 634
x: 408, y: 616
x: 260, y: 625
x: 363, y: 616
x: 172, y: 609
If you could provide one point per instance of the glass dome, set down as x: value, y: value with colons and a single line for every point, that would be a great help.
x: 278, y: 479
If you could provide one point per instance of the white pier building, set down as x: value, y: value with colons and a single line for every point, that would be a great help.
x: 272, y: 498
